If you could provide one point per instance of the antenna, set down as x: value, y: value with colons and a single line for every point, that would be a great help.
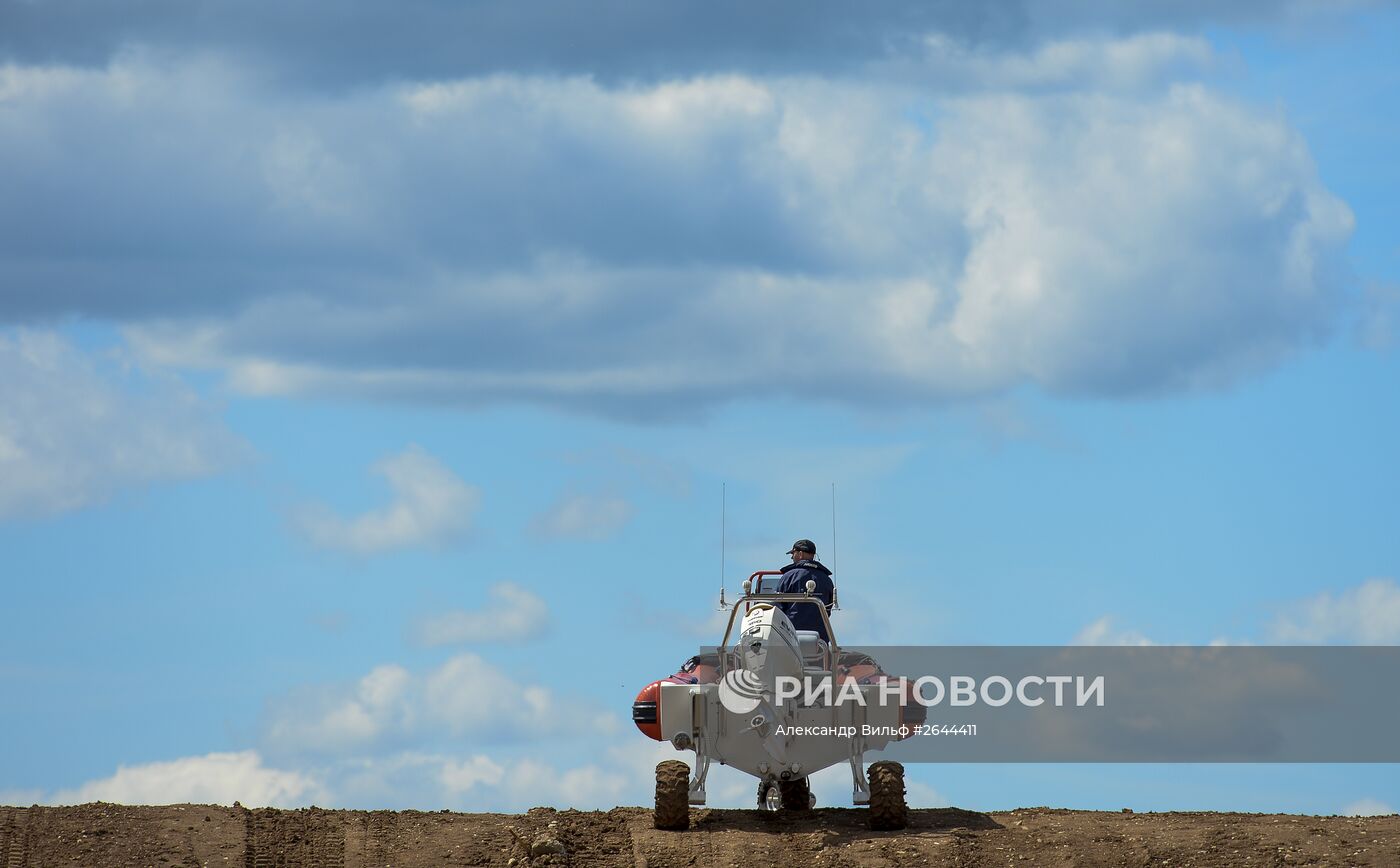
x: 833, y: 527
x: 833, y: 542
x: 723, y: 502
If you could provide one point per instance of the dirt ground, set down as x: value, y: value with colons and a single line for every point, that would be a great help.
x: 102, y: 834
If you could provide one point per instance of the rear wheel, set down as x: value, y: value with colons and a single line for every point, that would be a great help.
x: 796, y: 795
x: 888, y: 810
x: 672, y: 796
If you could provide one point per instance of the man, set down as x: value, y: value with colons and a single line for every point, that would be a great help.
x: 804, y: 566
x: 704, y: 669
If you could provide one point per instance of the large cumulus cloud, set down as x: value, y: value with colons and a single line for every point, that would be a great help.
x: 1086, y: 215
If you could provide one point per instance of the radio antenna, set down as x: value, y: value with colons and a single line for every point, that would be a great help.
x: 833, y: 527
x: 833, y: 539
x: 723, y: 503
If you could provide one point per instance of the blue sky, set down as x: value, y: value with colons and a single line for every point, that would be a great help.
x: 341, y: 388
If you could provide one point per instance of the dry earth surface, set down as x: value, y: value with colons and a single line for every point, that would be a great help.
x: 198, y: 835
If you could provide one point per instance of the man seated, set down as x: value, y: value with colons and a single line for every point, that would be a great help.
x: 804, y: 566
x: 704, y: 668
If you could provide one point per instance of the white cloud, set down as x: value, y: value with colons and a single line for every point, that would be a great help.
x: 613, y: 773
x: 1093, y: 220
x: 1367, y: 808
x: 75, y: 429
x: 216, y: 778
x: 331, y: 721
x: 584, y: 516
x: 430, y: 505
x: 462, y: 775
x: 514, y: 614
x: 464, y: 696
x: 582, y: 787
x: 1103, y: 632
x: 499, y: 781
x: 21, y: 797
x: 1368, y: 614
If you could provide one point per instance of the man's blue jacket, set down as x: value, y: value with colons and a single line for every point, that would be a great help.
x: 804, y: 616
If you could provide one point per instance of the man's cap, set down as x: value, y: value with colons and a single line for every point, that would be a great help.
x: 804, y: 545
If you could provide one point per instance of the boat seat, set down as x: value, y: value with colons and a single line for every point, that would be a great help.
x: 815, y: 650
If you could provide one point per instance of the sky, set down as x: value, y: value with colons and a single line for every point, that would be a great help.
x: 373, y: 381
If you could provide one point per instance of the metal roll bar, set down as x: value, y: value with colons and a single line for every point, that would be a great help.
x: 833, y: 649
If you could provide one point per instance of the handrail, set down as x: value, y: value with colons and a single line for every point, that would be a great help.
x: 835, y: 649
x: 755, y: 576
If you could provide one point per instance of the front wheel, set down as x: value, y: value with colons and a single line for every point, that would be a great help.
x: 672, y: 796
x: 794, y: 795
x: 888, y: 810
x: 770, y: 798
